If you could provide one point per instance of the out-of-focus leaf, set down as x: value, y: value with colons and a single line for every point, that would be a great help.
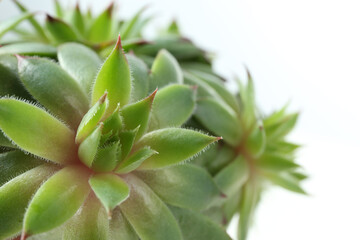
x: 114, y: 77
x: 174, y: 145
x: 77, y: 20
x: 282, y: 127
x: 58, y: 9
x: 120, y: 228
x: 185, y: 186
x: 5, y: 142
x: 29, y: 48
x: 101, y: 27
x: 165, y: 70
x: 135, y: 160
x: 11, y: 23
x: 90, y: 222
x: 285, y: 180
x: 127, y: 29
x: 54, y: 89
x: 173, y: 105
x: 232, y: 177
x: 57, y: 200
x: 219, y: 119
x: 14, y: 163
x: 80, y: 62
x: 140, y: 78
x: 197, y: 226
x: 59, y: 30
x: 273, y: 162
x: 110, y: 189
x: 36, y: 131
x: 15, y: 196
x: 256, y: 141
x: 143, y: 206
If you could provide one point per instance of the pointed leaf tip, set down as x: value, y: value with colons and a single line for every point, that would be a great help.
x: 103, y: 98
x: 118, y: 43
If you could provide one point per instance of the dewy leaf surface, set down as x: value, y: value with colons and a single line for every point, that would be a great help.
x: 54, y: 89
x: 185, y: 185
x: 114, y: 78
x: 15, y: 196
x: 80, y: 62
x: 36, y: 131
x: 147, y: 214
x: 172, y: 106
x: 57, y: 200
x: 197, y: 226
x: 110, y: 189
x: 174, y: 145
x: 90, y: 223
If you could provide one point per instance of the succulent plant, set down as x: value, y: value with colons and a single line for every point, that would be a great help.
x: 254, y: 152
x: 83, y: 164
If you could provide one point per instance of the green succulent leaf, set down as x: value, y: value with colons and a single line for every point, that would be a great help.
x: 219, y: 119
x: 10, y: 83
x: 113, y: 123
x: 282, y: 127
x: 232, y: 177
x: 57, y: 200
x: 11, y: 23
x: 107, y: 158
x: 59, y: 30
x: 127, y: 29
x: 29, y: 48
x: 120, y: 227
x: 143, y: 206
x: 80, y: 62
x: 54, y: 89
x: 14, y: 163
x: 110, y: 189
x: 285, y: 180
x: 165, y: 70
x: 272, y: 162
x: 100, y: 29
x: 15, y: 196
x: 127, y: 141
x: 5, y: 142
x: 256, y: 141
x: 89, y: 147
x: 114, y: 78
x: 174, y: 146
x: 77, y: 20
x: 140, y: 78
x: 186, y: 186
x: 173, y: 106
x: 58, y: 9
x: 197, y: 226
x: 90, y: 223
x: 138, y: 114
x: 36, y: 131
x: 91, y: 118
x: 248, y: 105
x: 135, y: 160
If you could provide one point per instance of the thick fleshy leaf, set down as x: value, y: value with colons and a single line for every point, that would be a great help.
x: 15, y: 196
x: 113, y: 123
x: 174, y: 146
x: 285, y: 180
x: 110, y: 189
x: 173, y: 105
x: 249, y: 200
x: 89, y: 147
x: 54, y: 89
x: 36, y: 131
x: 219, y: 158
x: 127, y: 141
x: 10, y: 83
x: 232, y: 177
x: 219, y: 119
x: 114, y: 77
x: 165, y: 70
x: 11, y: 23
x: 59, y: 30
x: 80, y: 62
x: 5, y: 142
x: 77, y: 20
x: 230, y: 207
x: 101, y: 27
x: 30, y: 49
x: 140, y: 78
x: 107, y: 157
x: 138, y: 114
x: 14, y: 163
x: 185, y: 186
x: 90, y: 222
x: 256, y: 141
x: 272, y: 162
x: 147, y: 214
x: 197, y: 226
x: 135, y: 160
x: 282, y: 127
x: 57, y: 200
x: 91, y: 118
x: 120, y: 227
x: 204, y: 90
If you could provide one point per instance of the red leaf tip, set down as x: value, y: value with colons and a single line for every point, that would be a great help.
x: 118, y: 43
x: 103, y: 98
x: 218, y: 138
x: 152, y: 96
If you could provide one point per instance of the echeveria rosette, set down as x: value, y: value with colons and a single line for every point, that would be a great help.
x: 109, y: 171
x: 254, y: 153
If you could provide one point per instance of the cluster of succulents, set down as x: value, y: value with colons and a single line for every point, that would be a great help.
x: 99, y: 144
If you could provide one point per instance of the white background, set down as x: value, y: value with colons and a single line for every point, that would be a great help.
x: 307, y: 52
